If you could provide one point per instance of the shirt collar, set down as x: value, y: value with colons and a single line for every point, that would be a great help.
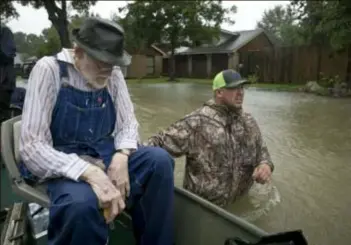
x: 66, y: 55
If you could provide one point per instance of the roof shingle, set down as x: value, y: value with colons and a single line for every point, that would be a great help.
x: 238, y: 40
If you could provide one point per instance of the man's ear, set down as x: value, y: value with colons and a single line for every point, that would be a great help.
x: 219, y: 93
x: 78, y: 51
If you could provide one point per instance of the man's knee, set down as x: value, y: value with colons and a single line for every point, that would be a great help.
x: 75, y: 210
x: 77, y: 199
x: 86, y: 211
x: 163, y: 163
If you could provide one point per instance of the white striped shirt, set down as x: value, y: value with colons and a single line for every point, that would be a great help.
x: 36, y: 146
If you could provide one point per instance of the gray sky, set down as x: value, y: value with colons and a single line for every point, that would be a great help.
x: 248, y: 13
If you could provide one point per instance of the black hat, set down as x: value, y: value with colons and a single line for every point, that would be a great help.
x: 103, y: 40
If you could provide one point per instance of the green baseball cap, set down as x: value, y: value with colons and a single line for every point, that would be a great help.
x: 228, y: 79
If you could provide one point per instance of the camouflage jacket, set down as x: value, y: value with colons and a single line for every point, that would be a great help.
x: 222, y: 148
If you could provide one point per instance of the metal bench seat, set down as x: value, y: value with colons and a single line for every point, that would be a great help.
x: 10, y: 135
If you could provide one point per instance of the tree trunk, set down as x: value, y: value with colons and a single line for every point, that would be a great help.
x: 64, y: 35
x: 62, y: 29
x: 174, y: 34
x: 171, y: 67
x: 319, y: 61
x: 58, y: 18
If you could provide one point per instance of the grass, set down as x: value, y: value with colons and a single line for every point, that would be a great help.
x: 165, y: 80
x: 278, y: 86
x: 265, y: 86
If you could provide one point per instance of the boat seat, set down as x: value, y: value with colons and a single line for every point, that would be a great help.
x: 16, y: 135
x: 10, y: 135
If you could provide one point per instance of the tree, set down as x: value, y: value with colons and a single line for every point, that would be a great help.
x: 336, y: 25
x: 327, y: 23
x: 77, y: 20
x: 51, y: 42
x: 135, y: 41
x: 309, y: 17
x: 57, y: 14
x: 178, y: 23
x: 282, y: 23
x: 21, y: 41
x: 48, y: 42
x: 32, y: 45
x: 28, y: 44
x: 7, y: 11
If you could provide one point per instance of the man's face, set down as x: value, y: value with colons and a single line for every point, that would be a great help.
x: 233, y: 97
x: 96, y: 72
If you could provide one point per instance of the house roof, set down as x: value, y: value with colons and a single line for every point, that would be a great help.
x: 146, y: 50
x: 238, y: 40
x: 32, y: 58
x: 163, y: 46
x: 158, y: 50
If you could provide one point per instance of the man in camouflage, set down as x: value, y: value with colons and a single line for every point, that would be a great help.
x: 224, y: 149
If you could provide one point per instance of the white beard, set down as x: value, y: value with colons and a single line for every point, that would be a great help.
x: 94, y: 80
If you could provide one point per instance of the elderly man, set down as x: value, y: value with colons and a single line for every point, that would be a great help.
x: 78, y: 119
x: 223, y: 145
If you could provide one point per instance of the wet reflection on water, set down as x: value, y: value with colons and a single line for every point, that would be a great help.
x: 309, y: 138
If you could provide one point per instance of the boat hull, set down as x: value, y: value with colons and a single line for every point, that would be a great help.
x: 196, y: 220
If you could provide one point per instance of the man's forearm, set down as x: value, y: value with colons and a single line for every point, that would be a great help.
x: 154, y: 141
x: 172, y: 143
x: 45, y: 162
x: 264, y: 156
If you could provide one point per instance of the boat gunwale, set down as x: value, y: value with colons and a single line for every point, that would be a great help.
x: 232, y: 218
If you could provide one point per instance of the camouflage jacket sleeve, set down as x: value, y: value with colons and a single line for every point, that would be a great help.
x: 263, y: 155
x: 177, y: 137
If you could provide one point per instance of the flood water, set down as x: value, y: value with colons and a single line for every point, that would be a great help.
x: 309, y: 138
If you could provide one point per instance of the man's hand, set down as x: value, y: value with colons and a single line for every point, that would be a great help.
x: 108, y: 195
x: 262, y: 173
x: 118, y: 173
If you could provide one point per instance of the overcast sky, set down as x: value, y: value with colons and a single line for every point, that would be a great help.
x: 248, y: 13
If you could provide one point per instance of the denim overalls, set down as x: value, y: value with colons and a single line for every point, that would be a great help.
x: 82, y: 123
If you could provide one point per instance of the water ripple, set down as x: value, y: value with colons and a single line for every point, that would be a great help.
x: 309, y: 138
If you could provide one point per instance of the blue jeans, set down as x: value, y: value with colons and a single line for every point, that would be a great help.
x: 75, y: 217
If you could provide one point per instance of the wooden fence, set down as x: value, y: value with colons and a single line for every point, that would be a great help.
x: 293, y: 64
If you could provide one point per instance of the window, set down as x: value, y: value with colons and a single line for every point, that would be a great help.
x: 150, y: 65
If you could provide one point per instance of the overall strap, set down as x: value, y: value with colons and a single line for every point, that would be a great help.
x: 63, y: 68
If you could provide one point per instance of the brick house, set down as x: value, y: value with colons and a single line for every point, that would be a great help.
x: 147, y: 63
x: 228, y: 51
